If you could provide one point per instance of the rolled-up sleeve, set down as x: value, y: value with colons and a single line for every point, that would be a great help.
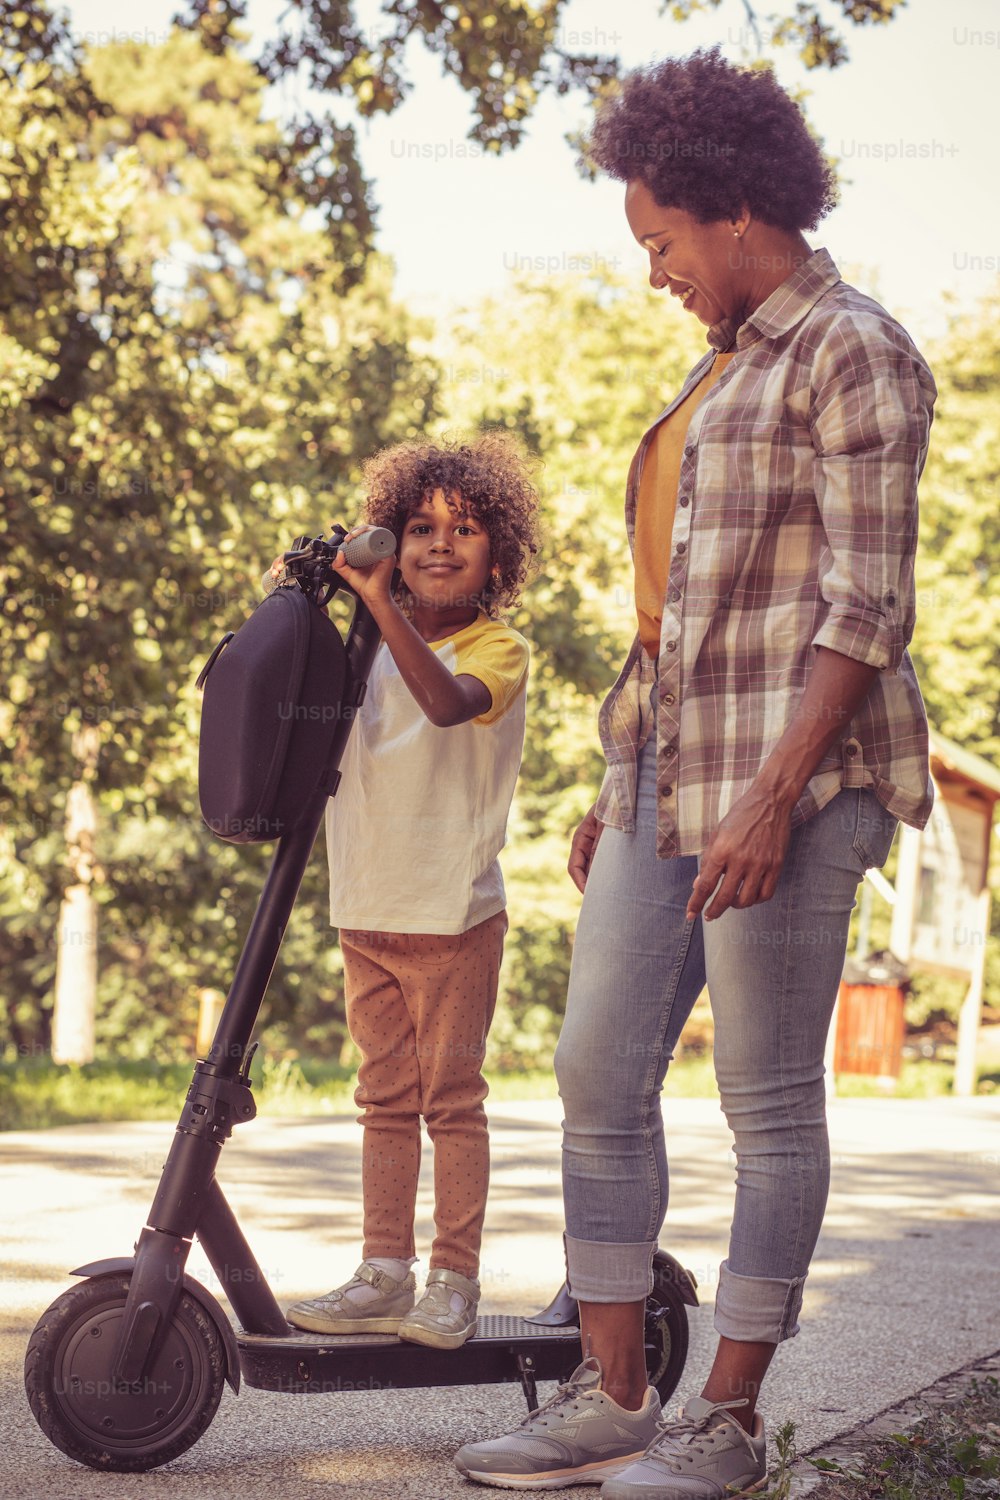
x: 870, y: 417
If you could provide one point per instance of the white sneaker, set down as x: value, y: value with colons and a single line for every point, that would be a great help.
x: 704, y: 1454
x: 579, y: 1436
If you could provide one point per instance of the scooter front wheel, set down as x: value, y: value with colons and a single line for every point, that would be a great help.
x: 100, y: 1421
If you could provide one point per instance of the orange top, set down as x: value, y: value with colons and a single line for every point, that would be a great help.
x: 656, y: 503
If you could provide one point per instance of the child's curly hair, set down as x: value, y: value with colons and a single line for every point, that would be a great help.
x: 491, y: 474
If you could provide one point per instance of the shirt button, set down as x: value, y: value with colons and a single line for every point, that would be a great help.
x: 684, y: 500
x: 670, y: 749
x: 851, y: 749
x: 681, y: 548
x: 671, y: 645
x: 669, y: 698
x: 667, y: 791
x: 675, y: 594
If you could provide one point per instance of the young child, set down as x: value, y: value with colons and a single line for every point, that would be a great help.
x: 413, y: 836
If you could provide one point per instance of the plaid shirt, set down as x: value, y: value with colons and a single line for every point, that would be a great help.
x: 796, y: 527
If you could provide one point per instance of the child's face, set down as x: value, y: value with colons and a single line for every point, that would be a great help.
x: 444, y: 553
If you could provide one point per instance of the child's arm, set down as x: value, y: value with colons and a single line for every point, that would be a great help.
x: 446, y: 699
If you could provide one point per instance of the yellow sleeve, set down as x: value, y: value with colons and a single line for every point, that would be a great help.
x: 498, y: 656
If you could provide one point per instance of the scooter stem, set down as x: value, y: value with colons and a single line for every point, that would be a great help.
x: 220, y: 1095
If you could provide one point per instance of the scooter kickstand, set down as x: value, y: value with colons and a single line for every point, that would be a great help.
x: 526, y: 1370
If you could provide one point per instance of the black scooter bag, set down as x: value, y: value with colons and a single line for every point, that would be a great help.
x: 273, y: 692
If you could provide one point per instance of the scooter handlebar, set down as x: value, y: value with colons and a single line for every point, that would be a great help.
x: 317, y: 553
x: 370, y: 547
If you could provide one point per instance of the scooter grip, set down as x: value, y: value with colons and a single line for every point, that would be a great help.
x: 370, y: 547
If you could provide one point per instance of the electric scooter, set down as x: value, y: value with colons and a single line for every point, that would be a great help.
x: 126, y: 1370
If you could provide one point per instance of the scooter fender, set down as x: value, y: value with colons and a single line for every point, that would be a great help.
x: 667, y: 1268
x: 200, y: 1293
x: 562, y: 1311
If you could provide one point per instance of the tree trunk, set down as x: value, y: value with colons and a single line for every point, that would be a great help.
x: 76, y: 952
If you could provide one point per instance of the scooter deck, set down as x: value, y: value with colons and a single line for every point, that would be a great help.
x: 503, y: 1349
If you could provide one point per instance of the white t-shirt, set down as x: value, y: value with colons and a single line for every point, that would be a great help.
x: 420, y: 814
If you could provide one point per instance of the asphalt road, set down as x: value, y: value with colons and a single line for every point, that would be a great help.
x: 903, y: 1288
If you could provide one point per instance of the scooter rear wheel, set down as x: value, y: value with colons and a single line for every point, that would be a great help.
x: 666, y: 1343
x: 98, y: 1420
x: 665, y: 1339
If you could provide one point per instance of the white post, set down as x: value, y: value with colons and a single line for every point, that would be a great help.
x: 76, y: 940
x: 76, y: 978
x: 970, y: 1015
x: 210, y: 1003
x: 907, y: 887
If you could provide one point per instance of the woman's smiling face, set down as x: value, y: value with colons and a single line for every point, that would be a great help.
x: 699, y: 264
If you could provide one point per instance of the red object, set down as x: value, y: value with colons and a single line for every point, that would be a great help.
x: 870, y: 1030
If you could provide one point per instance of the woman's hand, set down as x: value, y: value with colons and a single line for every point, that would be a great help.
x: 749, y: 846
x: 373, y: 585
x: 746, y: 851
x: 582, y: 850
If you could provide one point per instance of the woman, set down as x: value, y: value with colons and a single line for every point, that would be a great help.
x: 763, y: 738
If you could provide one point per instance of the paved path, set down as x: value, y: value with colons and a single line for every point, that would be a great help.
x: 903, y: 1289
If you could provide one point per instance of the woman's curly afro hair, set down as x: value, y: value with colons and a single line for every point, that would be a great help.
x: 490, y: 474
x: 707, y: 136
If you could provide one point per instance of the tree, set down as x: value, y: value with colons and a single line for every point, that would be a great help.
x: 956, y: 645
x: 505, y: 54
x: 197, y: 344
x: 957, y: 641
x: 191, y: 369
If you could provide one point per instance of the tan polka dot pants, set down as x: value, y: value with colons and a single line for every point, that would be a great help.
x: 419, y: 1007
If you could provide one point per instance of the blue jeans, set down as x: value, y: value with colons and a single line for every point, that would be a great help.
x: 773, y: 972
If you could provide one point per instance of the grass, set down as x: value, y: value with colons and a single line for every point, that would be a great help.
x: 692, y: 1077
x: 36, y: 1093
x: 953, y: 1453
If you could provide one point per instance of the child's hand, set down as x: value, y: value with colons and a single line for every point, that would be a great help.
x: 276, y: 570
x: 373, y: 584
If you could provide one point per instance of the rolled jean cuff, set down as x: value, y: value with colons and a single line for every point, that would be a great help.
x: 600, y: 1272
x: 757, y: 1309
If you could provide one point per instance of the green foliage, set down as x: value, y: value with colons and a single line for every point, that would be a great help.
x: 818, y: 42
x: 36, y: 1094
x: 957, y: 643
x: 197, y: 348
x: 779, y: 1486
x: 953, y: 1451
x: 956, y: 647
x: 505, y: 54
x: 190, y: 371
